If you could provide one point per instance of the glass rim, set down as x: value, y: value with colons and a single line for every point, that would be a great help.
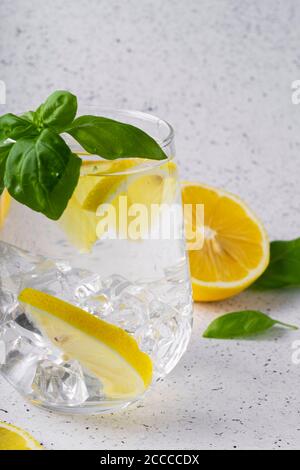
x: 143, y: 116
x: 147, y: 165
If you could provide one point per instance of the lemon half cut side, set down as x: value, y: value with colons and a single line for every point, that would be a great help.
x: 107, y: 351
x: 236, y: 248
x: 13, y: 438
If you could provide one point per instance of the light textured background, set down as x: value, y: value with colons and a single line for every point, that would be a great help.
x: 220, y: 71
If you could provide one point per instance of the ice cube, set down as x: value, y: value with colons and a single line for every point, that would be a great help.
x: 130, y: 307
x: 174, y: 289
x: 8, y: 304
x: 14, y: 263
x: 129, y: 313
x: 94, y: 387
x: 20, y: 355
x: 60, y: 383
x: 98, y: 305
x: 114, y: 285
x: 165, y: 337
x: 90, y: 295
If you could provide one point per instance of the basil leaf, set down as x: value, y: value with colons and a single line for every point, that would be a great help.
x: 4, y: 151
x: 284, y: 266
x: 14, y: 127
x: 30, y: 116
x: 112, y: 139
x: 241, y: 324
x: 42, y: 173
x: 58, y: 111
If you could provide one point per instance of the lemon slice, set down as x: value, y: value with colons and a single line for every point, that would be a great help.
x: 150, y: 190
x: 5, y: 202
x: 158, y: 187
x: 80, y: 221
x: 104, y: 349
x: 236, y: 247
x: 152, y: 186
x: 80, y: 226
x: 100, y: 181
x: 13, y: 438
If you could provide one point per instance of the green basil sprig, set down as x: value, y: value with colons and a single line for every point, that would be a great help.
x: 242, y: 324
x: 39, y: 169
x: 284, y: 266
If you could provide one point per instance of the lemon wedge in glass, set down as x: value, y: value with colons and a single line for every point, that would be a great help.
x: 106, y: 183
x: 107, y: 351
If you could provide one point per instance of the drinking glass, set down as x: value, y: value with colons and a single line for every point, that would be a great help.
x: 118, y: 253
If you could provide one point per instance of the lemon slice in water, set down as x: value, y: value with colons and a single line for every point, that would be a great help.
x: 107, y: 351
x: 106, y: 183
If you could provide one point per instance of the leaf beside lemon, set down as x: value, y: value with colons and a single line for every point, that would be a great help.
x: 107, y: 351
x: 236, y: 247
x: 13, y: 438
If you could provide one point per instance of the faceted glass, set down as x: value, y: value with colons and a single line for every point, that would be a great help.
x: 118, y: 252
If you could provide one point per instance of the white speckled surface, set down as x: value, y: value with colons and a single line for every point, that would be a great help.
x: 221, y: 72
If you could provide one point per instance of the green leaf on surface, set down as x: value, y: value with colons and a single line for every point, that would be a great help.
x: 15, y: 127
x: 42, y: 173
x: 4, y: 151
x: 112, y: 139
x: 242, y: 324
x: 58, y: 111
x: 284, y: 266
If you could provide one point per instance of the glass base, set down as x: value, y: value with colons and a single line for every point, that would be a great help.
x: 87, y: 410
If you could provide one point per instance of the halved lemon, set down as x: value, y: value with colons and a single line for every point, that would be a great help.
x: 107, y: 351
x: 235, y: 251
x: 13, y: 438
x: 5, y: 202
